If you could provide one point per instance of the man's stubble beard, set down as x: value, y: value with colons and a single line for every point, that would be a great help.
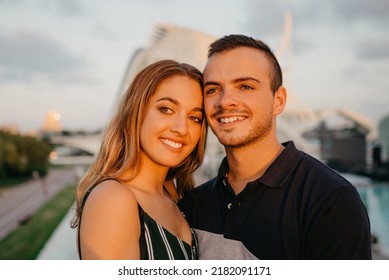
x: 260, y: 130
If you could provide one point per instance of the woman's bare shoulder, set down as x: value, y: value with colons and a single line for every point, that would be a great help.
x: 110, y: 223
x: 110, y: 199
x: 110, y: 191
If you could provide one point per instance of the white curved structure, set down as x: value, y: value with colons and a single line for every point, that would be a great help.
x: 169, y: 42
x: 87, y: 143
x: 352, y: 116
x: 189, y: 46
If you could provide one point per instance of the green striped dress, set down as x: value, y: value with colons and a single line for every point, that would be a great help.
x: 157, y: 243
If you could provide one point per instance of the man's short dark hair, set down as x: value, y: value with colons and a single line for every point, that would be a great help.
x: 234, y: 41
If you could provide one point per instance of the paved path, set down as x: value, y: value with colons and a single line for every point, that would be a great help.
x: 19, y: 202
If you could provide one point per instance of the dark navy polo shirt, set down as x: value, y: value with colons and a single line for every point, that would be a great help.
x: 298, y: 209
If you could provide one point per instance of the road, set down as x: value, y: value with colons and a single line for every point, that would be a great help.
x: 19, y: 202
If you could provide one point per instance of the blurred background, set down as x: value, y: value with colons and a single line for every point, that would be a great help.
x: 65, y: 63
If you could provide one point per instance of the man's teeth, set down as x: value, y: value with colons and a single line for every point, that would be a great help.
x: 231, y: 119
x: 172, y: 144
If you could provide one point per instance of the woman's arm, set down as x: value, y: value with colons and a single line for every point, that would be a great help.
x: 110, y: 226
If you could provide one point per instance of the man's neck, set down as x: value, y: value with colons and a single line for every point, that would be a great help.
x: 249, y: 163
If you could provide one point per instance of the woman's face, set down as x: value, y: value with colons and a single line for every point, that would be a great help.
x: 172, y: 125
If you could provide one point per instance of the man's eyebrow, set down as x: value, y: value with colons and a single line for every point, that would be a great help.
x: 211, y: 83
x: 237, y: 80
x: 245, y: 79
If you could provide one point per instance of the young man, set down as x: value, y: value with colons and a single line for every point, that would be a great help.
x: 268, y: 200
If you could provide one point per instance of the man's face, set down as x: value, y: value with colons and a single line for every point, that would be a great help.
x: 238, y: 100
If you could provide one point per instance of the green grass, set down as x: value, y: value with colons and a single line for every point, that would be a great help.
x: 26, y: 241
x: 10, y: 182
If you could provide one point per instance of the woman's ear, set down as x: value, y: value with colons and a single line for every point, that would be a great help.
x: 280, y: 97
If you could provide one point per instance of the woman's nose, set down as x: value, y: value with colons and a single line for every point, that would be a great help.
x: 180, y: 125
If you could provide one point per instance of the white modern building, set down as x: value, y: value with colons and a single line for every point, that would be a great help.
x: 190, y: 46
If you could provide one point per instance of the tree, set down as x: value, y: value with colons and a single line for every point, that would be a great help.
x: 21, y: 155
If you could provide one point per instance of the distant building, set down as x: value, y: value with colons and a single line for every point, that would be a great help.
x: 295, y: 123
x: 383, y: 138
x: 51, y: 122
x: 345, y: 149
x: 376, y: 155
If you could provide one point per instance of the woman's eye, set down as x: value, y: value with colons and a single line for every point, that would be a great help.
x: 166, y: 110
x: 196, y: 119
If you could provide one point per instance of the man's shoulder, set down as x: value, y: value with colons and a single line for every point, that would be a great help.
x: 197, y: 194
x: 308, y: 165
x: 203, y: 189
x: 323, y: 171
x: 323, y: 179
x: 206, y: 185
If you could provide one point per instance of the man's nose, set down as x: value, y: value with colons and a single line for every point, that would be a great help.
x: 227, y: 99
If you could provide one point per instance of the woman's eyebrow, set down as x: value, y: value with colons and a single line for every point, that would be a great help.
x: 198, y: 109
x: 169, y: 99
x: 176, y: 102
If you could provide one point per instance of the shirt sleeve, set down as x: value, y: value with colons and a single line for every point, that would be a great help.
x: 338, y: 227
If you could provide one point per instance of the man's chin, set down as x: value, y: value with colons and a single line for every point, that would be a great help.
x: 232, y: 142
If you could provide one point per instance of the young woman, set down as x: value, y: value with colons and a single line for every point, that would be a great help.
x: 124, y: 209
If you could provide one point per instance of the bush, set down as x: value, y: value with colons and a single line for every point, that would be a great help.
x: 21, y: 155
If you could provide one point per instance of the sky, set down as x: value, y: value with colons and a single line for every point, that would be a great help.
x: 70, y: 56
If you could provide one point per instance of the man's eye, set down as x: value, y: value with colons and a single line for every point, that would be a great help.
x: 246, y: 87
x: 210, y: 91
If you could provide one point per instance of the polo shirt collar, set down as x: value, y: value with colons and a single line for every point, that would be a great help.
x: 278, y: 172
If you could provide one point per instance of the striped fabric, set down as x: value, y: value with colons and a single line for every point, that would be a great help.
x: 156, y: 243
x: 163, y: 245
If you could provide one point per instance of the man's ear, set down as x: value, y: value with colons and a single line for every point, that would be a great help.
x: 279, y: 100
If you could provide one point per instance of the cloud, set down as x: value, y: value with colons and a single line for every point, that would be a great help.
x: 25, y: 53
x: 352, y: 18
x: 68, y: 7
x: 362, y: 9
x: 372, y: 49
x: 345, y: 11
x: 10, y: 2
x: 266, y: 17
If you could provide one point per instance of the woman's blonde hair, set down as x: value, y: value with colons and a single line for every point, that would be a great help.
x: 119, y: 153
